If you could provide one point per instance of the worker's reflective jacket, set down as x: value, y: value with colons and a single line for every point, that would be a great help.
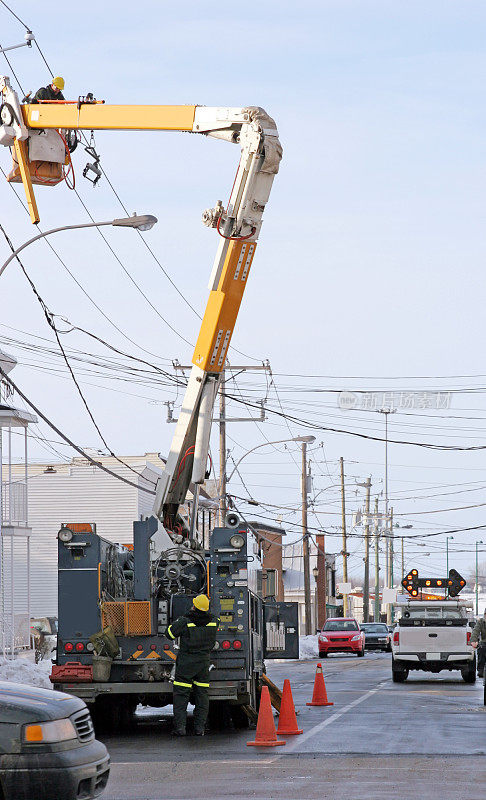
x: 196, y: 631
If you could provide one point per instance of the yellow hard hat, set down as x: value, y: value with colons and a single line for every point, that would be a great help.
x: 59, y: 82
x: 201, y: 602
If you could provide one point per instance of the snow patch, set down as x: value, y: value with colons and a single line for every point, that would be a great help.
x: 308, y: 647
x: 19, y: 670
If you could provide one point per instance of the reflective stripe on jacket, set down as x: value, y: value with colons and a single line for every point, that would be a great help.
x: 196, y: 631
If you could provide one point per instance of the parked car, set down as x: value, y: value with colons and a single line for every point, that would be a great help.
x: 341, y: 635
x: 48, y: 749
x: 377, y: 636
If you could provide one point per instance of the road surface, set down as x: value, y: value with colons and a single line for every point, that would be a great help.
x: 423, y: 739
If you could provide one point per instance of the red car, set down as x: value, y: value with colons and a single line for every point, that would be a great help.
x: 341, y: 636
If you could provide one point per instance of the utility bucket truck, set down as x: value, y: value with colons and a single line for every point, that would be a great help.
x: 116, y: 602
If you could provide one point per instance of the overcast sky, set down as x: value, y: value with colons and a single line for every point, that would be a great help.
x: 369, y: 274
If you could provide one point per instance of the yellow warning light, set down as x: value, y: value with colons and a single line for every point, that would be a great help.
x: 439, y: 583
x: 409, y: 577
x: 414, y: 572
x: 463, y: 583
x: 427, y: 583
x: 414, y: 592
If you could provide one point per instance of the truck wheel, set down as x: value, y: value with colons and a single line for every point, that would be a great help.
x: 469, y: 673
x: 219, y: 715
x: 322, y: 655
x: 239, y: 718
x: 398, y: 675
x: 361, y: 653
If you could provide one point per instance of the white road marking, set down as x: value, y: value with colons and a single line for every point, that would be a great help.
x: 296, y: 744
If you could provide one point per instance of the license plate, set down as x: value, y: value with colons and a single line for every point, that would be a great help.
x: 432, y: 656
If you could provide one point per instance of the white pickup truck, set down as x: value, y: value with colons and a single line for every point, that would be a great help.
x: 432, y: 636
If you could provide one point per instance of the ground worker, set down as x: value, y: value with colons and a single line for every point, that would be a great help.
x: 51, y: 92
x: 478, y: 640
x: 197, y: 634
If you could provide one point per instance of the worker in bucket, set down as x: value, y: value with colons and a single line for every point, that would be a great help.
x: 51, y: 92
x: 478, y: 640
x: 196, y: 631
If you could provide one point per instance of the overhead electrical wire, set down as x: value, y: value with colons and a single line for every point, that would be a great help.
x: 69, y: 441
x: 50, y: 321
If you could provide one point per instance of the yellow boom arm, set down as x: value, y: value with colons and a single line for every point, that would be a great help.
x: 238, y: 225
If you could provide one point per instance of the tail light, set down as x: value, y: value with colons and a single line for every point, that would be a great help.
x: 69, y: 647
x: 237, y: 644
x: 469, y: 633
x: 79, y: 646
x: 226, y: 645
x: 396, y: 637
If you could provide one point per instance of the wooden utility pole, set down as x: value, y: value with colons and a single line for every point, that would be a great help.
x: 366, y: 583
x: 222, y: 452
x: 344, y: 550
x: 321, y: 581
x: 389, y: 577
x: 403, y: 557
x: 305, y: 545
x: 376, y: 614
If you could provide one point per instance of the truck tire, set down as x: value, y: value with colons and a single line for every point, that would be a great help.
x: 469, y: 673
x: 399, y: 675
x: 239, y: 718
x: 361, y: 653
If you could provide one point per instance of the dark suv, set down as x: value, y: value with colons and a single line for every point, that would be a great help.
x: 48, y: 749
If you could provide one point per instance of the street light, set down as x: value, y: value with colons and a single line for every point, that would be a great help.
x: 307, y: 439
x: 477, y: 608
x: 143, y: 222
x: 447, y: 554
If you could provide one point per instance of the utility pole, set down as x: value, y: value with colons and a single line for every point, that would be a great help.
x: 403, y: 557
x: 222, y: 452
x: 223, y: 421
x: 477, y: 577
x: 389, y: 577
x: 366, y: 584
x: 377, y: 566
x: 305, y: 544
x: 344, y: 551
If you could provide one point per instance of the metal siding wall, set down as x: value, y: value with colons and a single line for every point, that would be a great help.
x: 84, y: 495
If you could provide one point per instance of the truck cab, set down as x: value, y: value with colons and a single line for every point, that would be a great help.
x: 431, y: 636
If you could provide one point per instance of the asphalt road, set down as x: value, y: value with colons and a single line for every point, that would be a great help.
x: 425, y: 738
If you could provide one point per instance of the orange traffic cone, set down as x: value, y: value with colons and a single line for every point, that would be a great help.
x: 319, y: 695
x: 266, y: 735
x: 287, y: 721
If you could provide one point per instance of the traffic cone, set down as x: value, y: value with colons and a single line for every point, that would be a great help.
x: 287, y: 721
x: 319, y: 695
x: 266, y: 735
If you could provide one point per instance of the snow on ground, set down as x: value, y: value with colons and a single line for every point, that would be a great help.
x: 308, y: 647
x: 20, y: 670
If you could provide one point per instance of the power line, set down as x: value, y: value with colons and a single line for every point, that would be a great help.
x: 49, y: 318
x: 70, y: 442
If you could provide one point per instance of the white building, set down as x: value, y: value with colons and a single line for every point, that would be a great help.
x: 79, y: 491
x: 14, y: 523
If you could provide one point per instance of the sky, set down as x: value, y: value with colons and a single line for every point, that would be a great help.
x: 369, y: 271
